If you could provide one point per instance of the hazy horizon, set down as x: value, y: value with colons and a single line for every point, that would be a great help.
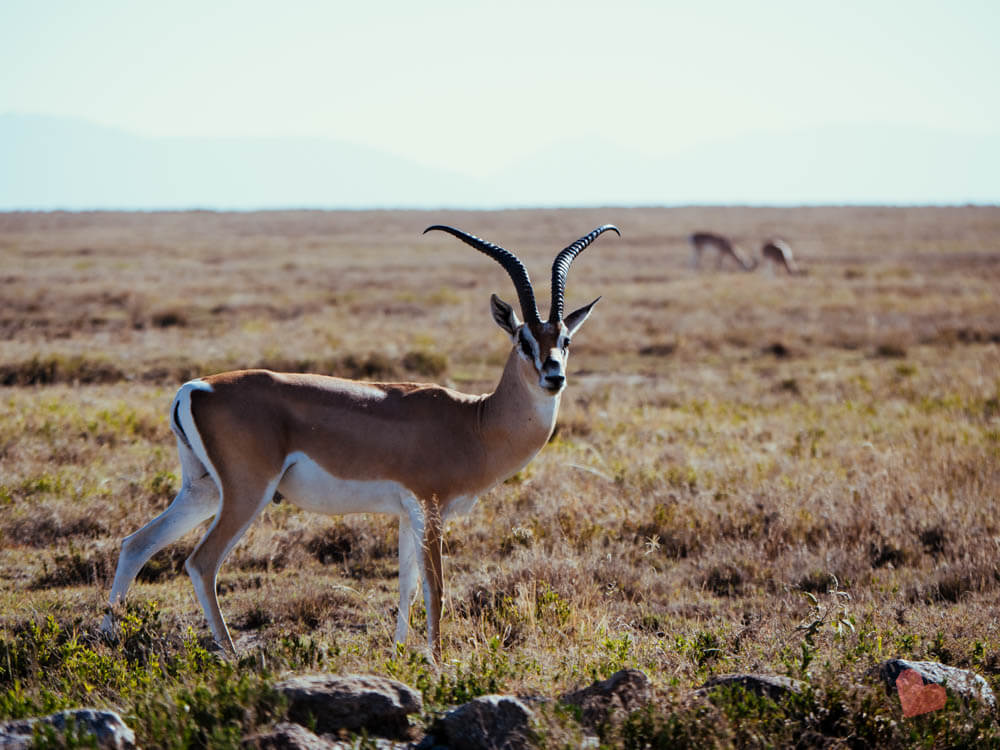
x: 459, y: 104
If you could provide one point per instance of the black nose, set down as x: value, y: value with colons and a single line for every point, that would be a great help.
x: 555, y: 381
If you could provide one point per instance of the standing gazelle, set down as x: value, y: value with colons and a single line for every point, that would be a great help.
x: 330, y: 445
x: 778, y: 253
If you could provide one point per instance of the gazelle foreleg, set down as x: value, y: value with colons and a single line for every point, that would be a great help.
x: 433, y: 574
x: 409, y: 572
x: 420, y: 552
x: 695, y: 257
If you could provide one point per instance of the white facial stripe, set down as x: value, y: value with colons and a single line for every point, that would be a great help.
x: 555, y: 355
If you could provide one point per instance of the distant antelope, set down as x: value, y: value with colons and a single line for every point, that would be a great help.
x: 723, y: 247
x: 777, y: 253
x: 330, y: 445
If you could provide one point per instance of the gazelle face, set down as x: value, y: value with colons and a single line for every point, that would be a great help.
x: 545, y: 349
x: 542, y: 348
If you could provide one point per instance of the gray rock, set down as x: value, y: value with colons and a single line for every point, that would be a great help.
x: 490, y: 722
x: 106, y: 727
x: 355, y: 703
x: 962, y: 682
x: 770, y: 686
x: 290, y: 736
x: 287, y: 736
x: 622, y: 693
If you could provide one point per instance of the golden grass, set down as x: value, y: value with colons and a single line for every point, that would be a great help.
x: 727, y: 442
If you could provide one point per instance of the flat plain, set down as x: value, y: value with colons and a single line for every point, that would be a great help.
x: 752, y: 472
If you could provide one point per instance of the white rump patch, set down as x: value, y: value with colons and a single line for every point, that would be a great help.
x: 187, y: 424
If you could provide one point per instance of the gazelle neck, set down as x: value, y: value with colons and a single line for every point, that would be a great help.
x: 518, y: 417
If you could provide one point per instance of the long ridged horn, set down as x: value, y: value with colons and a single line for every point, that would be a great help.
x: 507, y: 259
x: 560, y: 267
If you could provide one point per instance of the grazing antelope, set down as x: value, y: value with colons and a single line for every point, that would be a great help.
x: 723, y: 247
x: 778, y: 253
x: 330, y: 445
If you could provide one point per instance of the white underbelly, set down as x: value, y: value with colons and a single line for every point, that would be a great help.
x: 309, y: 486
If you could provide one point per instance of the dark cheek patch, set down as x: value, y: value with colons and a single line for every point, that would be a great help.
x: 526, y: 348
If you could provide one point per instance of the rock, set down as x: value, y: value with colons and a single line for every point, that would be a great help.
x: 287, y: 736
x: 355, y: 703
x: 962, y: 682
x: 106, y: 727
x: 770, y: 686
x: 623, y: 692
x: 490, y: 722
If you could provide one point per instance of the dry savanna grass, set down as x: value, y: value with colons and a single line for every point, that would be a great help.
x: 794, y: 475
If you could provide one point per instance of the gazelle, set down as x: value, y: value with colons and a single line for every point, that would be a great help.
x: 723, y: 247
x: 778, y: 253
x: 330, y: 445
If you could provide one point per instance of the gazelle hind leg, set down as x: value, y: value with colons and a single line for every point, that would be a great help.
x: 240, y: 505
x: 196, y: 502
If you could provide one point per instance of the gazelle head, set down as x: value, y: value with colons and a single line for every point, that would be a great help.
x: 542, y: 347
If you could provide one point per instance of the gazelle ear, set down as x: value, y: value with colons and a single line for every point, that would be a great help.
x: 504, y: 315
x: 575, y: 319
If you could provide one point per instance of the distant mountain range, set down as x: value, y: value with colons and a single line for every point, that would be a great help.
x: 59, y: 163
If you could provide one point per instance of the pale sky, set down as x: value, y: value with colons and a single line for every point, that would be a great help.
x: 471, y: 86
